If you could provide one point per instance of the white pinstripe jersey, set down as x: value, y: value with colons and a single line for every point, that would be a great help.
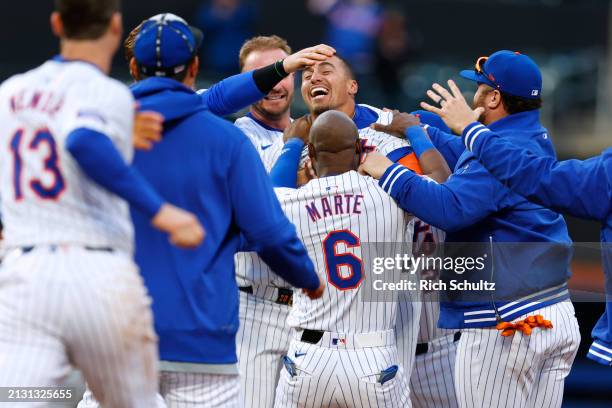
x: 381, y: 141
x: 426, y: 238
x: 250, y: 269
x: 267, y: 141
x: 374, y: 140
x: 335, y: 216
x: 46, y: 199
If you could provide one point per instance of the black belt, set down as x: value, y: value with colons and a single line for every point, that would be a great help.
x: 423, y: 348
x: 53, y: 248
x: 285, y: 296
x: 312, y: 336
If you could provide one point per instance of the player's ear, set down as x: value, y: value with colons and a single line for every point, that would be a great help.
x: 194, y: 68
x: 116, y: 24
x: 494, y: 99
x: 353, y: 87
x: 57, y: 26
x: 133, y: 65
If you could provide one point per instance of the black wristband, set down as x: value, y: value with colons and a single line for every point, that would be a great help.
x: 267, y: 77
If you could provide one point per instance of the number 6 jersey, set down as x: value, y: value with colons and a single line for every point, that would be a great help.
x: 46, y: 199
x: 339, y: 218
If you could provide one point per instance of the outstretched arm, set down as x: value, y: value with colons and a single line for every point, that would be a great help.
x: 575, y: 187
x: 463, y: 200
x: 239, y: 91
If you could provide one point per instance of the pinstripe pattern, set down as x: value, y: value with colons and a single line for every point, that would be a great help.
x: 330, y: 377
x: 73, y: 306
x: 263, y: 335
x: 383, y: 142
x: 262, y: 340
x: 268, y: 143
x: 517, y: 371
x: 201, y: 390
x: 84, y: 213
x: 432, y: 380
x: 380, y: 221
x: 345, y: 377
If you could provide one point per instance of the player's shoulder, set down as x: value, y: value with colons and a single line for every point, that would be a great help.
x: 372, y: 114
x: 252, y: 126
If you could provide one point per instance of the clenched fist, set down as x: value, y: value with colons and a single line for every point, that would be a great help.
x: 183, y: 227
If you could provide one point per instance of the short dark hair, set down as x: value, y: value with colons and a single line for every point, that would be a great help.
x: 347, y: 66
x: 516, y: 104
x: 86, y: 19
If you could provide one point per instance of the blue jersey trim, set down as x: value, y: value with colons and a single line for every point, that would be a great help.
x: 263, y: 125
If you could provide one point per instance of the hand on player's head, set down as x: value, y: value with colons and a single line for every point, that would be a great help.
x: 307, y: 57
x: 299, y: 128
x: 375, y: 165
x: 401, y: 121
x: 183, y: 227
x: 148, y: 127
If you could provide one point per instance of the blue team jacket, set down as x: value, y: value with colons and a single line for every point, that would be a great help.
x: 580, y: 188
x: 472, y: 206
x: 207, y: 166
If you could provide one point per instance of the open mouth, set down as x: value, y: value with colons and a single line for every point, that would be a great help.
x: 276, y: 97
x: 318, y: 92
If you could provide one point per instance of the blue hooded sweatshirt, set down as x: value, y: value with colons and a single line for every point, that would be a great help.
x: 207, y: 166
x: 526, y: 246
x: 580, y: 188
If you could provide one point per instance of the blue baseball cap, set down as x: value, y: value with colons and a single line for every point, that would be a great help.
x: 509, y: 72
x: 165, y: 45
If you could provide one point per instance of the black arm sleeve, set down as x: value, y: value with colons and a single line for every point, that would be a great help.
x: 267, y: 77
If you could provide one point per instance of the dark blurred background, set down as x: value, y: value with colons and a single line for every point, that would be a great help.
x: 398, y: 49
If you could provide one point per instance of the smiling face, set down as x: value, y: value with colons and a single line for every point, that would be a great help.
x: 278, y: 101
x: 329, y: 85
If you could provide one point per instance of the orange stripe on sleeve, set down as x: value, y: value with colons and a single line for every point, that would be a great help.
x: 411, y: 161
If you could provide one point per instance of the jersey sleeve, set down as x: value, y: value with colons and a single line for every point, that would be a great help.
x: 232, y: 94
x: 449, y: 145
x: 464, y: 199
x: 259, y: 217
x: 575, y: 187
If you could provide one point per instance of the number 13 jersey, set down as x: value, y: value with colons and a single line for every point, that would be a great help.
x: 46, y: 198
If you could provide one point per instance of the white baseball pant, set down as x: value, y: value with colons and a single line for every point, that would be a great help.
x: 336, y: 372
x: 262, y: 341
x: 518, y: 371
x: 67, y: 305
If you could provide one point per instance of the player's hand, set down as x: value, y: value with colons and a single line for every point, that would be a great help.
x: 401, y: 121
x: 299, y: 128
x: 148, y: 126
x: 454, y: 110
x: 307, y: 57
x: 183, y: 227
x: 375, y: 165
x: 316, y: 293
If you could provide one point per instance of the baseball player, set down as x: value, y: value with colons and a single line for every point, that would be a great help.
x: 265, y: 299
x: 431, y: 382
x: 519, y: 339
x: 69, y: 291
x: 343, y: 351
x: 195, y: 294
x: 231, y: 94
x: 574, y: 187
